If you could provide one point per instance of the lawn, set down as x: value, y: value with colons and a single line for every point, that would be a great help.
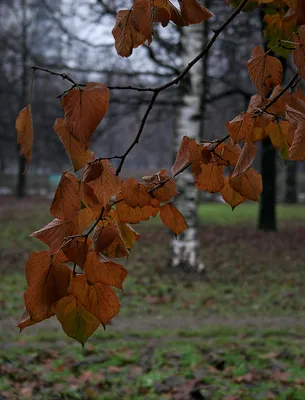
x: 235, y: 333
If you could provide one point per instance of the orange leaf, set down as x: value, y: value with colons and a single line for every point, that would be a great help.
x: 210, y: 178
x: 98, y: 299
x: 76, y: 251
x: 24, y: 127
x: 134, y: 215
x: 128, y: 235
x: 230, y: 196
x: 125, y: 34
x: 135, y: 194
x: 227, y: 154
x: 105, y: 236
x: 198, y: 155
x: 278, y: 132
x: 241, y: 127
x: 165, y: 192
x: 248, y: 184
x: 183, y: 155
x: 299, y: 52
x: 193, y: 12
x: 54, y: 233
x: 300, y: 12
x: 265, y: 71
x: 297, y: 149
x: 85, y: 109
x: 76, y: 321
x: 25, y: 320
x: 77, y: 152
x: 142, y: 17
x: 66, y: 202
x: 47, y: 284
x: 175, y: 16
x: 245, y: 160
x: 102, y: 179
x: 106, y: 272
x: 173, y: 218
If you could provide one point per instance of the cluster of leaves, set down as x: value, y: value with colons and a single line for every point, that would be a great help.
x: 93, y: 209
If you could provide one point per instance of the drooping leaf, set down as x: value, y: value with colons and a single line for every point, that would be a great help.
x: 76, y: 321
x: 297, y: 149
x: 265, y: 71
x: 100, y: 270
x: 134, y: 215
x: 300, y: 12
x: 76, y: 251
x: 48, y: 283
x: 103, y: 180
x: 246, y: 159
x: 230, y: 196
x: 125, y: 33
x: 210, y: 179
x: 299, y: 52
x: 142, y: 16
x: 54, y: 233
x: 24, y: 127
x: 183, y: 156
x: 248, y: 184
x: 278, y: 132
x: 77, y: 152
x: 84, y: 110
x: 173, y: 218
x: 193, y: 12
x: 25, y: 321
x: 241, y: 127
x: 66, y: 202
x: 135, y: 194
x: 98, y: 299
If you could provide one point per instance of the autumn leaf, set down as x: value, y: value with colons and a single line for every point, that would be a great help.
x: 47, y: 281
x: 227, y: 154
x: 245, y: 159
x: 134, y: 215
x: 297, y: 149
x: 77, y: 152
x: 125, y: 33
x: 230, y: 196
x: 241, y: 127
x: 173, y: 218
x: 101, y: 177
x: 265, y: 71
x: 54, y: 233
x: 24, y: 127
x: 142, y: 16
x: 84, y: 110
x: 278, y: 132
x: 183, y: 156
x: 100, y: 270
x: 66, y: 202
x: 210, y: 179
x: 300, y: 12
x: 76, y: 321
x: 25, y: 321
x: 193, y: 12
x: 98, y: 299
x: 248, y: 184
x: 135, y: 194
x: 299, y: 52
x: 128, y: 235
x: 76, y: 250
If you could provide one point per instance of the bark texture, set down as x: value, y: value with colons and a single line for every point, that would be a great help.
x: 185, y: 249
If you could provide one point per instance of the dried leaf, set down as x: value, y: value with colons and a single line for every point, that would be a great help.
x: 248, y: 184
x: 54, y: 233
x: 246, y: 159
x: 24, y: 127
x: 230, y: 196
x: 173, y: 219
x: 193, y: 12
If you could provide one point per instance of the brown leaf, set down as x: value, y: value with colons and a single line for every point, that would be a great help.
x: 297, y: 149
x: 77, y: 152
x: 210, y: 178
x: 265, y: 71
x: 76, y: 321
x: 84, y: 110
x: 135, y: 194
x: 134, y: 215
x: 230, y: 196
x: 54, y: 233
x: 246, y: 159
x: 193, y: 12
x: 100, y: 176
x: 173, y: 219
x: 66, y: 202
x: 248, y: 184
x: 105, y: 236
x: 48, y: 282
x: 300, y: 12
x: 24, y: 127
x: 183, y: 156
x: 142, y: 16
x: 107, y: 272
x: 241, y: 127
x: 76, y: 250
x: 299, y: 52
x: 98, y: 299
x: 125, y: 33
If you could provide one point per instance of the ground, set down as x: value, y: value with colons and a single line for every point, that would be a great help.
x: 235, y: 333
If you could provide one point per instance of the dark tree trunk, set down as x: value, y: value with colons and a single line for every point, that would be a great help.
x: 267, y: 205
x: 291, y: 192
x: 20, y: 190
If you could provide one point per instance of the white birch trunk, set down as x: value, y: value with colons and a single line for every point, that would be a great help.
x: 185, y: 249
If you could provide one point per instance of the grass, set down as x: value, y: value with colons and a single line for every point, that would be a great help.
x: 235, y: 333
